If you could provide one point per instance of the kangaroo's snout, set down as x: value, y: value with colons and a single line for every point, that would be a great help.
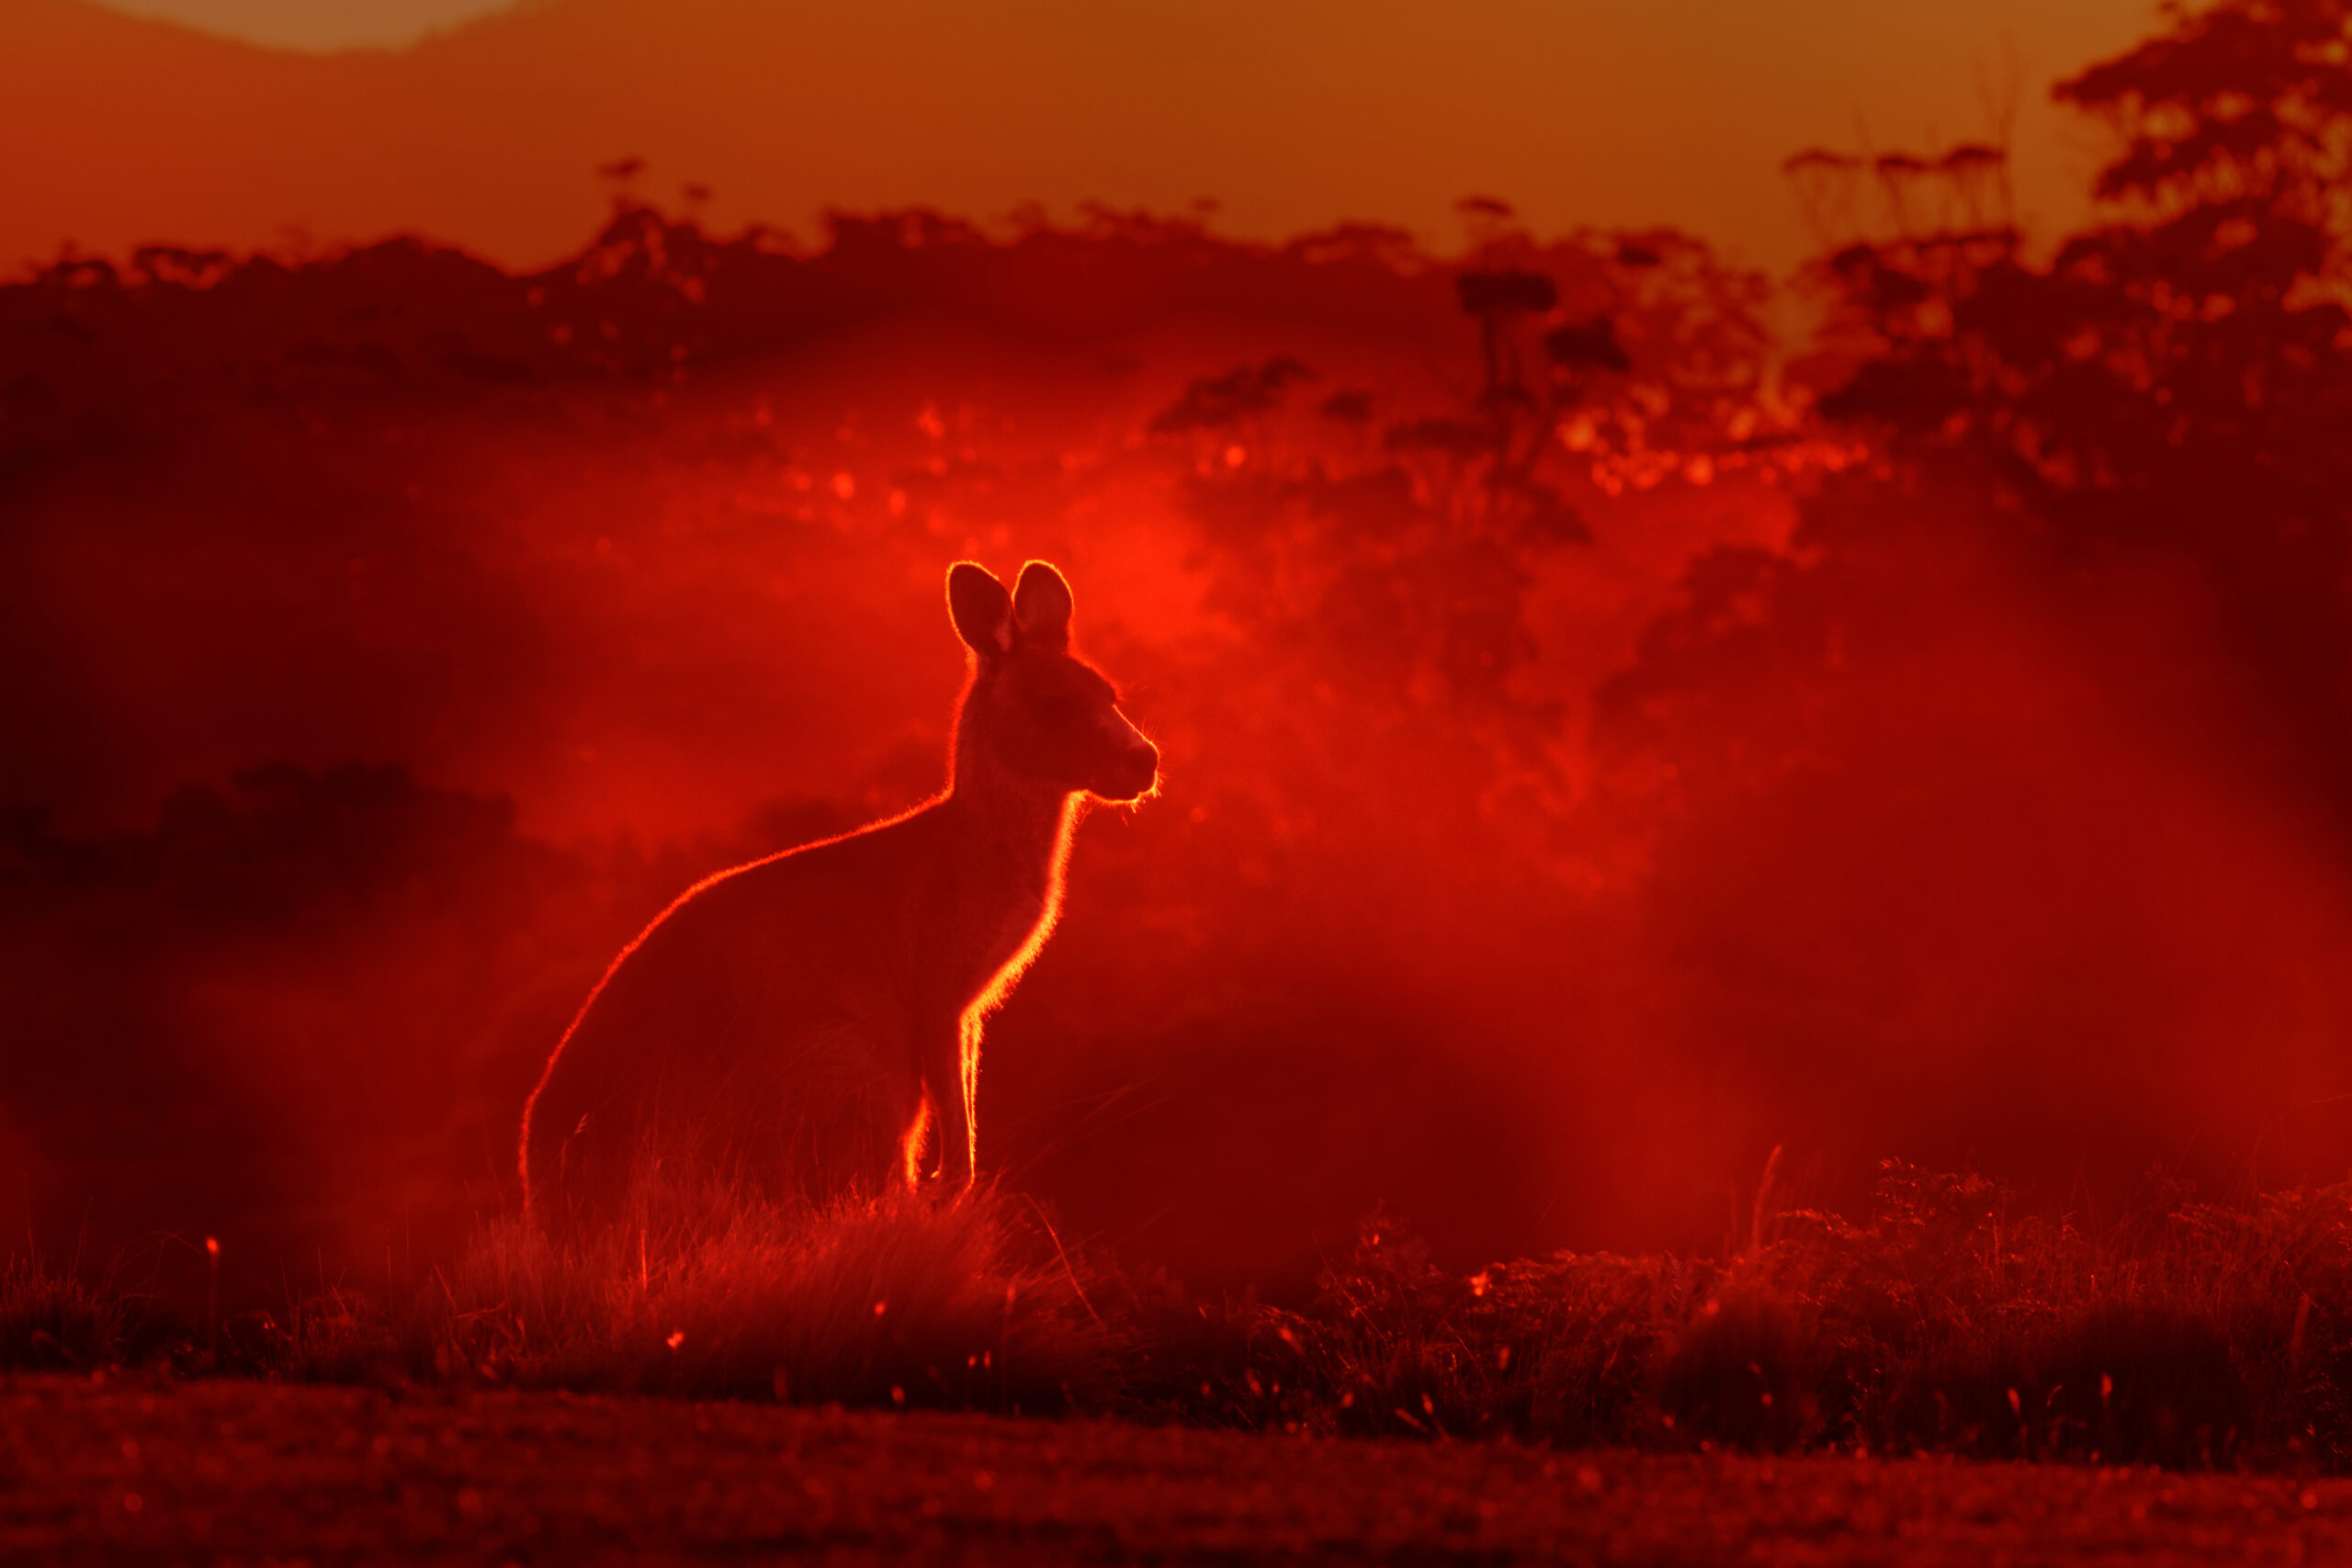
x: 1133, y: 773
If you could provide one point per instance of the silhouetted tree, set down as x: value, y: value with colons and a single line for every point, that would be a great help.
x: 2174, y: 381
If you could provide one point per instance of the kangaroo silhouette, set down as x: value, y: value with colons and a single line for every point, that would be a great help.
x: 804, y: 1022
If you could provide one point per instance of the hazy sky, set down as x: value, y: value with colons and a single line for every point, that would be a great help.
x: 316, y: 23
x: 1291, y: 114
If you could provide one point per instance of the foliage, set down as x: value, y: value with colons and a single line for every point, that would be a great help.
x: 2188, y: 1333
x: 52, y: 1320
x: 2171, y: 385
x: 900, y: 1300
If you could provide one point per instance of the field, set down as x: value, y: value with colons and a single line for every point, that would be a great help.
x: 131, y: 1470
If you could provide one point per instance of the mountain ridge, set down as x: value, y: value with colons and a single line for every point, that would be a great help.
x: 117, y: 130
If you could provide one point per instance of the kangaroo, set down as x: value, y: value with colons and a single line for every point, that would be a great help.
x: 803, y: 1023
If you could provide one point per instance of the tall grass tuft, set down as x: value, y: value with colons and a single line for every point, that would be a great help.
x: 53, y: 1320
x: 899, y: 1300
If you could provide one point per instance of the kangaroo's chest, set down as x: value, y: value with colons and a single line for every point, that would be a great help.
x: 986, y: 934
x: 1005, y: 932
x: 968, y: 906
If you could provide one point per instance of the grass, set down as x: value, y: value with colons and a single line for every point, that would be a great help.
x: 900, y: 1300
x: 2193, y: 1333
x: 51, y: 1320
x: 2189, y: 1334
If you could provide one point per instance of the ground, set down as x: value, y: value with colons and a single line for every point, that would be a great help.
x: 124, y: 1472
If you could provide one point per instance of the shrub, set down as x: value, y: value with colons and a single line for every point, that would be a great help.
x: 2189, y: 1334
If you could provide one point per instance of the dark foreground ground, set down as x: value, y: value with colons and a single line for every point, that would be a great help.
x: 238, y: 1472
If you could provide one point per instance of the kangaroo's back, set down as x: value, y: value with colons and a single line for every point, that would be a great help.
x: 800, y: 1025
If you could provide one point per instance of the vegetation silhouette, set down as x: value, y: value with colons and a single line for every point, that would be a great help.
x: 2118, y: 453
x: 2189, y: 1334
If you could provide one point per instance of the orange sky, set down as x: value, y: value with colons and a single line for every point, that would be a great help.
x: 115, y: 130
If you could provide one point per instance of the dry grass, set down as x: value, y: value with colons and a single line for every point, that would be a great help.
x: 2190, y: 1334
x: 51, y: 1320
x: 902, y: 1300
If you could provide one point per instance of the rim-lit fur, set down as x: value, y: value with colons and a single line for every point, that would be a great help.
x: 808, y: 1022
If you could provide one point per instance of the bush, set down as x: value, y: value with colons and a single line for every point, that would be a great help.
x: 2190, y: 1334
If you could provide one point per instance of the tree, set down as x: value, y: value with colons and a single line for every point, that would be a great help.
x: 2174, y: 382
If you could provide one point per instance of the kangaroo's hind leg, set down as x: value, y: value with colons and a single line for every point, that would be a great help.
x: 950, y: 1054
x: 849, y: 1106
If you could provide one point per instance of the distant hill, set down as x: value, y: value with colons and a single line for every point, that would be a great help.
x: 310, y: 26
x: 116, y: 130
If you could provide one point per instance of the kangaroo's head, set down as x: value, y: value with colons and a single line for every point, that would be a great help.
x: 1034, y: 709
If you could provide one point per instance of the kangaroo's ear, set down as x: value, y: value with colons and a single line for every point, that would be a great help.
x: 980, y: 608
x: 1041, y: 606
